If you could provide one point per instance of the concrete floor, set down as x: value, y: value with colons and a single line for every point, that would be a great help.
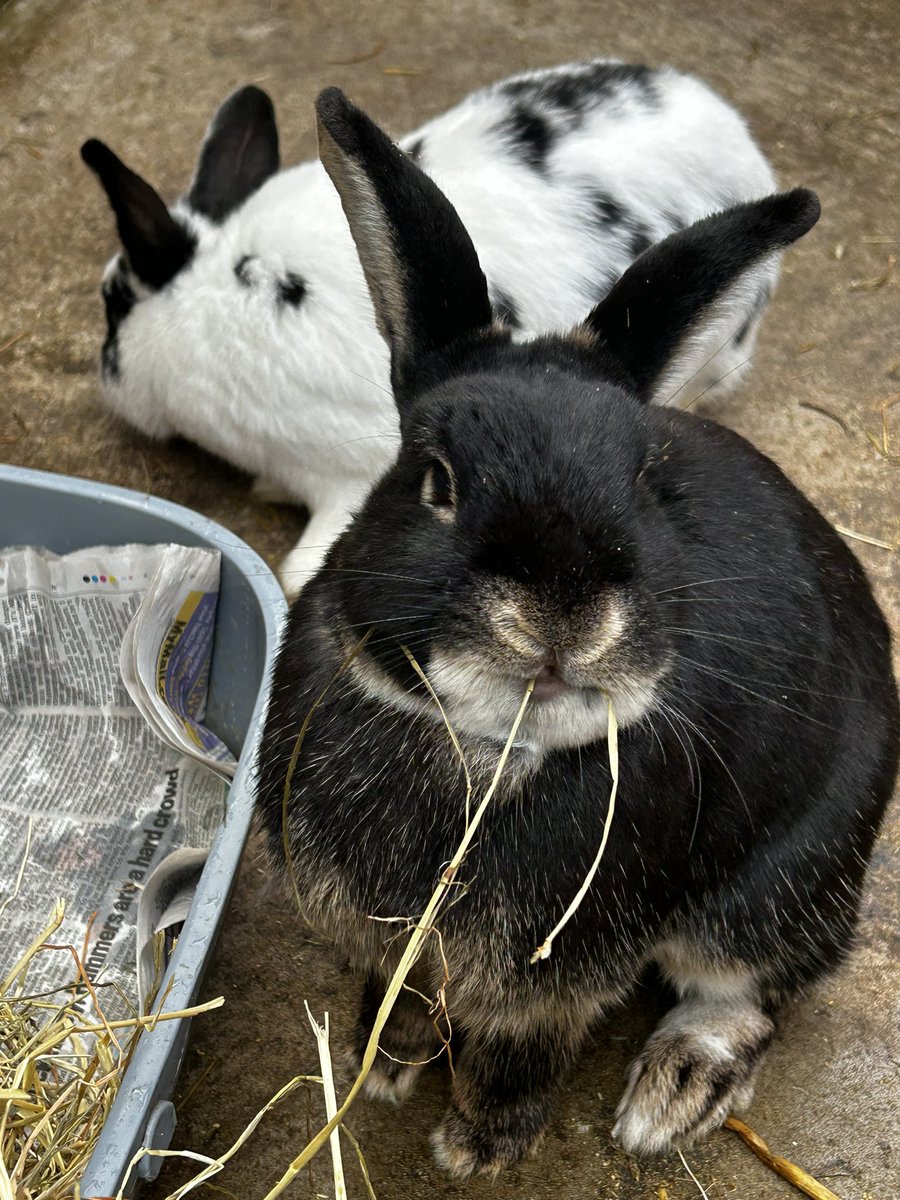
x: 814, y: 80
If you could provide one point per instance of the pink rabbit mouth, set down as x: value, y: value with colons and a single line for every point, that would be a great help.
x: 549, y: 684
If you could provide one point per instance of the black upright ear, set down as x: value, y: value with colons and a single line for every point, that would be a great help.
x: 677, y: 285
x: 238, y: 155
x: 421, y: 267
x: 156, y: 244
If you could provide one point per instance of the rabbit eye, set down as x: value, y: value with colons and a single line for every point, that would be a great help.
x: 439, y: 489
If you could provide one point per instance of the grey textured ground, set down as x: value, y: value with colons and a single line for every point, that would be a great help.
x: 819, y: 84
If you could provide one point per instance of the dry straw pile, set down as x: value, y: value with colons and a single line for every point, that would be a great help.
x: 59, y: 1073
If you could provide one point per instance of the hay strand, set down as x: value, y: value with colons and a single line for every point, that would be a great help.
x: 367, y: 1180
x: 878, y: 281
x: 700, y: 1187
x: 21, y: 872
x: 408, y: 959
x: 810, y: 406
x: 20, y: 968
x: 801, y: 1179
x: 864, y: 537
x: 450, y: 730
x: 59, y: 1073
x: 323, y: 1046
x: 214, y: 1165
x: 612, y: 741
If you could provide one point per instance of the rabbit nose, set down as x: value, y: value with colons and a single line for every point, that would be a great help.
x: 551, y: 664
x: 512, y: 628
x: 541, y: 639
x: 551, y: 668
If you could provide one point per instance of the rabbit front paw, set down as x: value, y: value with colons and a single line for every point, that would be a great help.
x: 698, y: 1066
x: 464, y: 1148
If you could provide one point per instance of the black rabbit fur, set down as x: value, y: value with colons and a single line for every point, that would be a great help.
x: 543, y: 521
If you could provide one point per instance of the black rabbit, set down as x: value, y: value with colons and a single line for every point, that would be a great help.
x: 542, y: 520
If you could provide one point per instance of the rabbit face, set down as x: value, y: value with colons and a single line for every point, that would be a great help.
x: 508, y: 575
x: 520, y: 518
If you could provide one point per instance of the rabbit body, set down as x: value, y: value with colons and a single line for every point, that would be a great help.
x: 544, y: 521
x: 752, y: 781
x: 261, y: 346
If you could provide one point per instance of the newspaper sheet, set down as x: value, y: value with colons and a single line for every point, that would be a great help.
x: 165, y: 654
x: 107, y: 769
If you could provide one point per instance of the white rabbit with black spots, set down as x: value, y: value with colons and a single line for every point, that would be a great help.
x: 239, y: 317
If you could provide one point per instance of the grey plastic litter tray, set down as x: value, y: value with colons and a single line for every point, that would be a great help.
x: 64, y: 514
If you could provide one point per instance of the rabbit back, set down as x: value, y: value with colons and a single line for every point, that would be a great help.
x: 562, y: 177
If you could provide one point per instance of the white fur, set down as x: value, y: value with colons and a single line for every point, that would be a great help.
x: 301, y: 397
x: 692, y: 976
x: 481, y: 701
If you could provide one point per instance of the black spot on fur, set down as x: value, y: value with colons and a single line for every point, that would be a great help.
x: 240, y: 271
x: 608, y: 211
x: 720, y: 1084
x: 606, y: 78
x: 414, y: 149
x: 639, y: 240
x: 529, y: 134
x: 613, y: 218
x: 575, y: 90
x: 505, y: 309
x: 119, y: 299
x: 109, y: 358
x: 291, y: 290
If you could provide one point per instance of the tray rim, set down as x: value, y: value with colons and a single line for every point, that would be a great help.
x: 150, y: 1079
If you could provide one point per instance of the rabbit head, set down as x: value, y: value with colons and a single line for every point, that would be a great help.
x: 521, y: 532
x: 161, y: 246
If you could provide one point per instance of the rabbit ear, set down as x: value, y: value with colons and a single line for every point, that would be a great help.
x: 239, y: 153
x: 684, y: 282
x: 427, y: 286
x: 156, y: 244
